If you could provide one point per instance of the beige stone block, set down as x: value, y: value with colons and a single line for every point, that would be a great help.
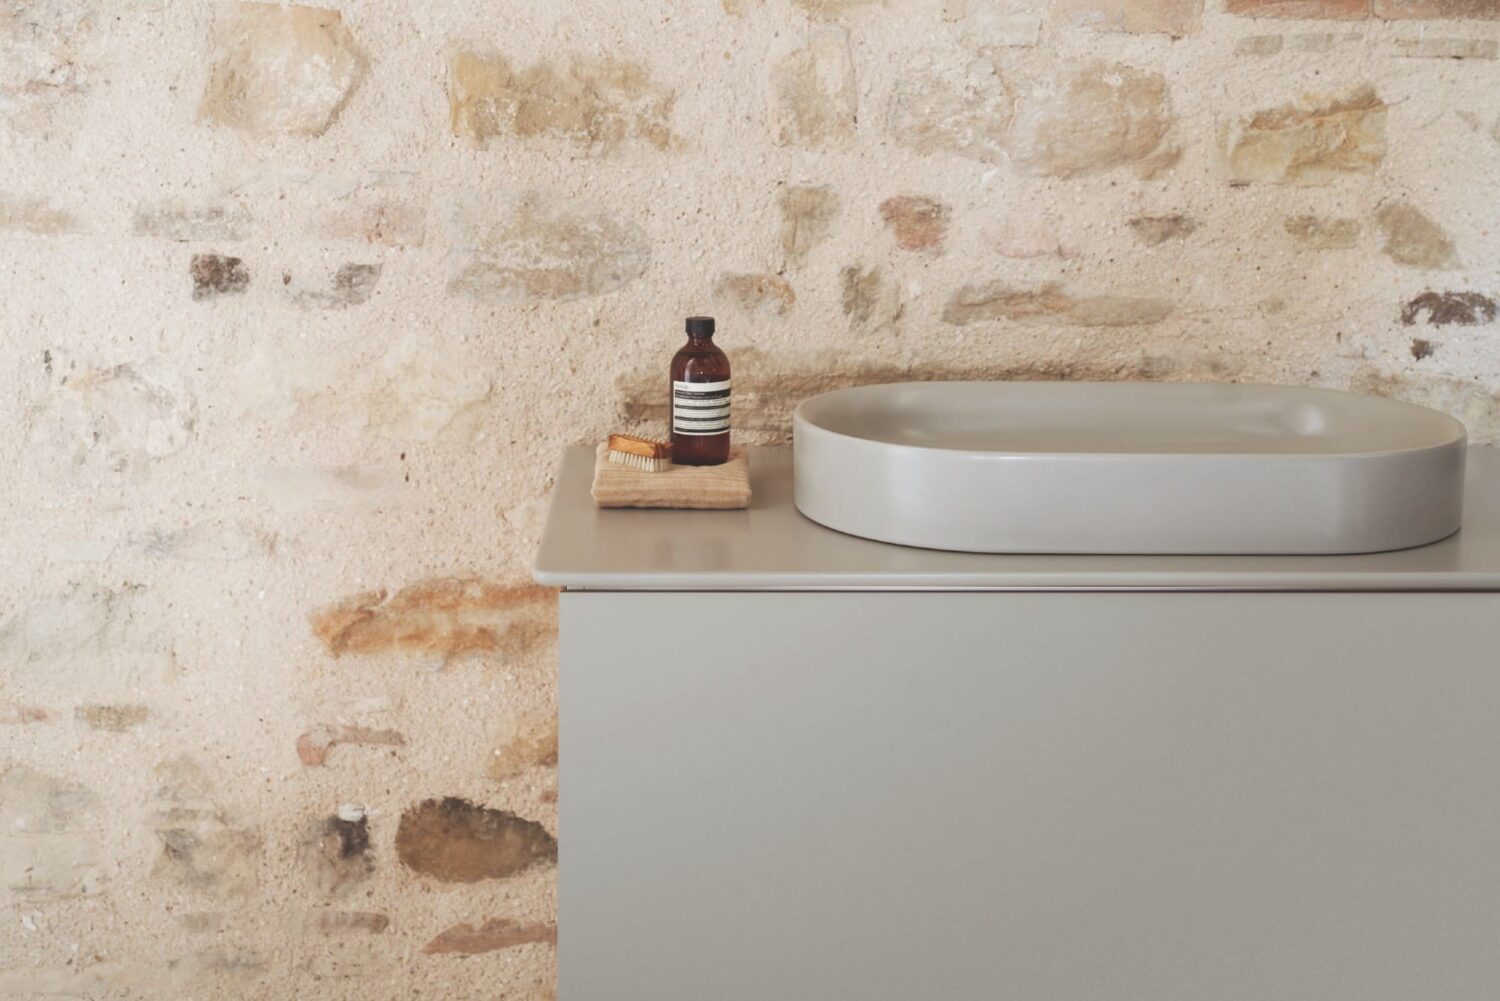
x: 1412, y: 239
x: 1312, y: 141
x: 280, y: 70
x: 807, y: 215
x: 1090, y: 118
x: 591, y: 101
x: 539, y: 246
x: 1050, y: 303
x: 940, y: 106
x: 1168, y: 17
x: 814, y: 102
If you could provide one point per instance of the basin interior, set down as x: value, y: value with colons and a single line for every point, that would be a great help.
x: 1128, y: 418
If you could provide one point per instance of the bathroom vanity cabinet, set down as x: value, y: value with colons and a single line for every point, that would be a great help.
x: 801, y: 766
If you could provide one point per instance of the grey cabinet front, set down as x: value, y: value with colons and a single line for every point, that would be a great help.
x: 1032, y: 796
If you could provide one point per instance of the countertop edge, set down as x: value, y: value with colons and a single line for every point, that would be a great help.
x: 580, y: 550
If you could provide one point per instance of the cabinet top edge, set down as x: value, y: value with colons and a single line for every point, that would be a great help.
x: 772, y: 547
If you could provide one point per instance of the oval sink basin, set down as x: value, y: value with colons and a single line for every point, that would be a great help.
x: 1078, y: 467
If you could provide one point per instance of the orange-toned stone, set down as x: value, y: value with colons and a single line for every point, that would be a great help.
x: 447, y: 617
x: 918, y: 222
x: 1314, y: 141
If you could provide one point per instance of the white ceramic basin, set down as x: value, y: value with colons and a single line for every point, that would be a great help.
x: 1077, y: 467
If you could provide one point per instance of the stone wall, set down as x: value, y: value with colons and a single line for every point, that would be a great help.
x: 300, y: 304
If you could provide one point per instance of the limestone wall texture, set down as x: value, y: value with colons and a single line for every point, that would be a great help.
x: 300, y: 303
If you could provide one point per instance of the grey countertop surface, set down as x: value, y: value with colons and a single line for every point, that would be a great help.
x: 770, y: 546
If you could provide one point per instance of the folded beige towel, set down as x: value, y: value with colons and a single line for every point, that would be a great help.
x: 720, y: 487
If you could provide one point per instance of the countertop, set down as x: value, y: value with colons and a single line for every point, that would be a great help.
x: 771, y: 546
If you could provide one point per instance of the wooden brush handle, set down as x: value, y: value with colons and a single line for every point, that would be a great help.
x: 640, y: 446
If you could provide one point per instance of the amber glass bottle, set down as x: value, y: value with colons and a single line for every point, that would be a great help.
x: 700, y: 398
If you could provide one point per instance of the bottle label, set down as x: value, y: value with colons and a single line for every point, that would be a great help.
x: 700, y: 407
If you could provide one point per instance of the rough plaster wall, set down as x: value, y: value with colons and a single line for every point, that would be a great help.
x: 299, y: 310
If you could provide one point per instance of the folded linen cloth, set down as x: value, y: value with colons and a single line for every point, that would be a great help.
x: 722, y: 487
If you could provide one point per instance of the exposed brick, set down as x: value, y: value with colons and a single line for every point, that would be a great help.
x: 455, y: 841
x: 918, y: 222
x: 495, y: 933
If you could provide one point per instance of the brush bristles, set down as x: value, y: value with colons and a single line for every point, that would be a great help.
x: 641, y: 462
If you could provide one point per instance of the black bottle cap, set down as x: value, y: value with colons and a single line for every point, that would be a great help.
x: 700, y: 326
